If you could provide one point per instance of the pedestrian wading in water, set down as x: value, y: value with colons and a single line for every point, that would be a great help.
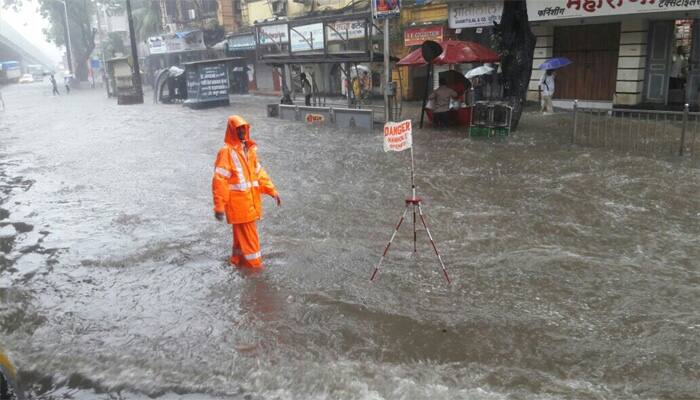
x: 238, y: 183
x: 54, y: 85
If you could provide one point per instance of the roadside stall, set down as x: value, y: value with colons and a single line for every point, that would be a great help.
x: 455, y: 52
x: 120, y: 79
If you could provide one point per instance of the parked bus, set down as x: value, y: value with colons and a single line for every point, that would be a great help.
x: 10, y: 71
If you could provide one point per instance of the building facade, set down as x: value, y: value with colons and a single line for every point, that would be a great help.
x: 624, y: 52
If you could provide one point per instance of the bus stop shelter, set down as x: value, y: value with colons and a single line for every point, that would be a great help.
x: 344, y: 40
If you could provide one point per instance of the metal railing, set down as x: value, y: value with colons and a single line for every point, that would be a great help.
x: 643, y: 131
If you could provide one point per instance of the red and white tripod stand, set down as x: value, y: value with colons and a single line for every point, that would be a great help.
x: 416, y: 203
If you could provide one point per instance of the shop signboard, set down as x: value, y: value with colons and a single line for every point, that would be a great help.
x: 386, y: 8
x: 307, y: 37
x: 475, y: 14
x: 417, y: 35
x: 542, y: 10
x: 176, y: 42
x: 345, y: 30
x: 243, y: 42
x: 273, y: 34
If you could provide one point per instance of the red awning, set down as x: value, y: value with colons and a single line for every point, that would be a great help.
x: 454, y: 52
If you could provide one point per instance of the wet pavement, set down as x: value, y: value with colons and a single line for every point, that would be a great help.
x: 575, y: 271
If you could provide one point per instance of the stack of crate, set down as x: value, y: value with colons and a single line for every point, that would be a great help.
x: 490, y: 118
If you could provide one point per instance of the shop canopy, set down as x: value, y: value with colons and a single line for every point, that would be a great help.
x: 454, y: 52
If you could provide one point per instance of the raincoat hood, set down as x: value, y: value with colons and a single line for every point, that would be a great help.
x: 231, y: 137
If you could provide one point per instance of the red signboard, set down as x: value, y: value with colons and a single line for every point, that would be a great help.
x: 418, y: 35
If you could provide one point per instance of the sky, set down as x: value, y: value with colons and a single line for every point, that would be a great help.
x: 29, y: 23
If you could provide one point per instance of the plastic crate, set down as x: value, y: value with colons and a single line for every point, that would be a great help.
x: 485, y: 132
x: 479, y: 131
x: 502, y: 132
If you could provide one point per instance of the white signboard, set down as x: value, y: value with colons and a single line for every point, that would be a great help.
x: 541, y: 10
x: 156, y: 45
x: 398, y: 136
x: 273, y: 34
x: 244, y: 42
x: 344, y: 30
x: 307, y: 37
x: 475, y: 14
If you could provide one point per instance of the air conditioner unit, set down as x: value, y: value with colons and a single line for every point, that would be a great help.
x: 279, y: 7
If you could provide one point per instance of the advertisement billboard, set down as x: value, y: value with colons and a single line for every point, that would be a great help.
x: 307, y: 37
x: 386, y: 8
x: 273, y: 34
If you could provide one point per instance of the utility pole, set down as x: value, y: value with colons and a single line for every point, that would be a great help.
x: 102, y: 48
x: 69, y: 53
x: 136, y: 75
x: 387, y: 73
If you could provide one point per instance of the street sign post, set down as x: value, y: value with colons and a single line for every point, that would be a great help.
x: 398, y: 136
x: 385, y: 9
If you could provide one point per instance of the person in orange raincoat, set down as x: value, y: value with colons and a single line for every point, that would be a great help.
x: 238, y: 182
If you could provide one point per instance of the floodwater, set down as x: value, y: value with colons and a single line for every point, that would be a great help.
x: 575, y: 271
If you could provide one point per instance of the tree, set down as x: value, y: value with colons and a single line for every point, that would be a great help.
x: 82, y: 34
x: 113, y: 45
x: 147, y: 19
x: 146, y: 13
x: 516, y: 45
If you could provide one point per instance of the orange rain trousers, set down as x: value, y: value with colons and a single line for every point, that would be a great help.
x: 246, y: 246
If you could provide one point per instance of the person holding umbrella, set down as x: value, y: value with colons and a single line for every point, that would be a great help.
x: 546, y: 84
x: 547, y: 87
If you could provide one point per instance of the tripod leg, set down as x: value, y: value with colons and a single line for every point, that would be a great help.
x: 386, y: 249
x: 414, y: 229
x: 432, y: 242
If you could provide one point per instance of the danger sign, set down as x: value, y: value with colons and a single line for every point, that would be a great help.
x: 398, y: 136
x: 314, y: 118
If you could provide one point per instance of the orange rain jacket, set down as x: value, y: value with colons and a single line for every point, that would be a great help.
x: 239, y: 178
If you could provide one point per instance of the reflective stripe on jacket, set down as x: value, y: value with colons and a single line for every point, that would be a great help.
x: 238, y: 178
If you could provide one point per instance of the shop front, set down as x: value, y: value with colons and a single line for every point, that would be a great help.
x: 414, y: 37
x: 470, y: 21
x: 624, y: 53
x: 242, y: 77
x: 673, y: 63
x: 428, y: 21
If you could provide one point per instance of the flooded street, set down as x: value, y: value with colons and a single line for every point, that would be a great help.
x: 576, y: 271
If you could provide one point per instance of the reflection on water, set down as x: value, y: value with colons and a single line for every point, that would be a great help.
x: 574, y: 270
